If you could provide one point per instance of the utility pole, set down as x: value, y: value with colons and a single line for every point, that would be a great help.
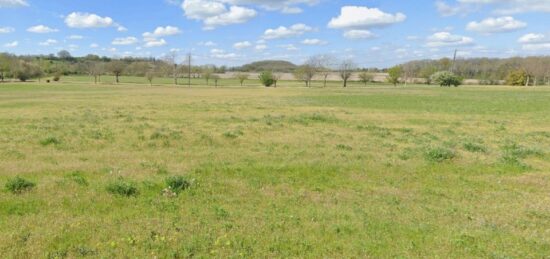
x: 189, y: 69
x: 454, y: 60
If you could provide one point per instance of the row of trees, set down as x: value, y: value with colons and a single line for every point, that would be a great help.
x: 488, y: 71
x: 514, y: 71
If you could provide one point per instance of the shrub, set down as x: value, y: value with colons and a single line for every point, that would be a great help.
x: 439, y: 154
x: 266, y: 78
x: 57, y: 77
x: 50, y: 141
x: 18, y: 185
x: 474, y: 147
x: 178, y: 183
x: 446, y: 78
x: 78, y: 178
x: 123, y: 188
x: 517, y: 78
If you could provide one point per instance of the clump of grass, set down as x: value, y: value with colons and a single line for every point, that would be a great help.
x: 344, y: 147
x: 50, y: 141
x: 314, y: 118
x: 233, y: 134
x: 474, y: 147
x: 123, y: 188
x: 177, y: 184
x: 78, y: 178
x: 513, y: 149
x: 439, y: 154
x: 19, y: 185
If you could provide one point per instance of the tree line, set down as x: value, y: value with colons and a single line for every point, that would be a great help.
x: 513, y: 71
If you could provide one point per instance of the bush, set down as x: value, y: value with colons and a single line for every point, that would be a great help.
x: 123, y: 188
x: 439, y: 154
x: 50, y: 141
x: 178, y: 184
x: 18, y: 185
x: 267, y: 79
x: 446, y: 78
x: 517, y: 78
x: 57, y: 77
x: 26, y: 70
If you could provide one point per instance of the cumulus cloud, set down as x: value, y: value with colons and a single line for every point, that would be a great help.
x: 284, y: 32
x: 501, y: 7
x: 6, y: 29
x: 11, y: 44
x: 41, y: 29
x: 359, y: 34
x: 162, y: 32
x: 89, y: 20
x: 242, y: 45
x: 76, y: 37
x: 48, y: 42
x: 221, y: 54
x: 362, y: 17
x: 446, y: 39
x: 261, y: 47
x: 13, y: 3
x: 125, y: 41
x: 496, y: 25
x: 154, y: 42
x: 314, y: 42
x: 215, y: 13
x: 535, y: 42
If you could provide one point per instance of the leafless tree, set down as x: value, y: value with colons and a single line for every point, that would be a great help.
x: 242, y: 77
x: 116, y: 67
x: 366, y: 77
x: 172, y: 60
x: 345, y: 70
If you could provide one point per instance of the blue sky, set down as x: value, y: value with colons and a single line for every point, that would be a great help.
x: 374, y: 33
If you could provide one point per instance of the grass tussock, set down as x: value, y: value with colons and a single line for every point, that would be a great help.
x: 19, y: 185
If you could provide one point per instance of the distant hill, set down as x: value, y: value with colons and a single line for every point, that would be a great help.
x: 272, y: 65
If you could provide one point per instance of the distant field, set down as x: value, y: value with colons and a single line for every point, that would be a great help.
x: 291, y: 172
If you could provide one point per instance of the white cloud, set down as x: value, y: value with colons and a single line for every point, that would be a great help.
x: 359, y: 34
x: 362, y: 17
x: 48, y: 42
x: 445, y: 39
x: 153, y: 42
x: 11, y: 44
x: 125, y: 41
x: 215, y: 13
x: 162, y: 32
x: 221, y: 54
x: 242, y: 45
x: 284, y: 32
x: 13, y: 3
x: 41, y: 29
x: 94, y: 45
x: 535, y: 42
x: 6, y: 29
x: 89, y: 20
x: 289, y: 47
x: 261, y: 47
x: 207, y: 44
x: 501, y: 7
x: 496, y: 25
x: 76, y: 37
x: 314, y: 42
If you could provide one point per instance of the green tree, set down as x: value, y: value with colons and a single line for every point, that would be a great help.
x: 394, y: 74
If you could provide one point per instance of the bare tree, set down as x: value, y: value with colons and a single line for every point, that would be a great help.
x: 242, y: 77
x: 276, y: 78
x: 207, y: 75
x: 324, y: 66
x: 365, y: 77
x: 345, y: 70
x: 116, y: 67
x: 216, y: 78
x: 172, y: 60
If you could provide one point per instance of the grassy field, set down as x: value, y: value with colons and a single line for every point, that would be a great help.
x: 289, y: 172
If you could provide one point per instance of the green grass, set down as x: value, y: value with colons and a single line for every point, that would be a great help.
x: 291, y: 172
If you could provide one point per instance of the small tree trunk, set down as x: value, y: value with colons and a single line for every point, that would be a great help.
x: 345, y: 83
x: 527, y: 81
x: 116, y: 76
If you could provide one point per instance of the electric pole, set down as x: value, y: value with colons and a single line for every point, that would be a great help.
x: 189, y: 69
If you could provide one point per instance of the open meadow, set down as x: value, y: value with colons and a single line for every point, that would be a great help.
x: 290, y: 172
